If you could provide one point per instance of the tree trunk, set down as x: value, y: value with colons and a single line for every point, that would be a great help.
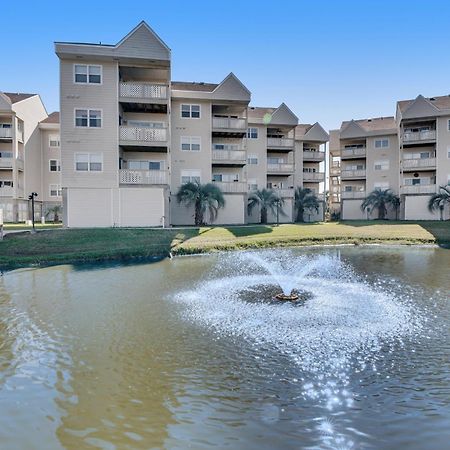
x: 381, y: 211
x: 441, y: 211
x: 55, y: 217
x: 300, y: 214
x: 263, y: 215
x: 198, y: 218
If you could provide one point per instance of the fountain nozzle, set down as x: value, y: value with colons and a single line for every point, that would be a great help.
x: 287, y: 297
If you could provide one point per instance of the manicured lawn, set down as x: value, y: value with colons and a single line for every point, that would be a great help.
x: 60, y: 246
x: 38, y: 226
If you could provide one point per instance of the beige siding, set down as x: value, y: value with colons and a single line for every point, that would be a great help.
x: 141, y: 207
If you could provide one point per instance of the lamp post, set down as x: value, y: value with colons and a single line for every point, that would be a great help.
x: 31, y: 197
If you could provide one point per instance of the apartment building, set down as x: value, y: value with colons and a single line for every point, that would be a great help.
x: 130, y: 137
x: 29, y: 156
x: 408, y: 153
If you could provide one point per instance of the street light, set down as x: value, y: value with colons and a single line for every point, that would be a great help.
x: 31, y: 197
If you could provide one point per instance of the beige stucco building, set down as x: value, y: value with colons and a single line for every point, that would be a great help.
x: 130, y: 137
x: 408, y: 153
x: 29, y: 156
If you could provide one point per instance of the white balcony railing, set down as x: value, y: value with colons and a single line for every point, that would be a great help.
x: 419, y: 162
x: 418, y: 189
x: 353, y: 173
x: 231, y: 186
x: 419, y: 136
x: 313, y: 176
x: 143, y: 134
x: 353, y: 194
x: 229, y: 123
x: 142, y: 90
x: 6, y: 191
x: 6, y: 163
x: 229, y: 155
x: 353, y: 152
x: 313, y: 156
x: 280, y: 142
x: 280, y: 168
x: 5, y: 133
x: 285, y: 193
x: 129, y: 176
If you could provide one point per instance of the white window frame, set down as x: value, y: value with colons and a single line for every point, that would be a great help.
x: 88, y: 118
x: 87, y: 82
x: 54, y: 138
x: 89, y: 155
x: 58, y: 165
x: 190, y: 141
x: 191, y: 173
x: 190, y: 110
x: 58, y: 190
x: 250, y: 132
x: 381, y: 163
x: 381, y: 140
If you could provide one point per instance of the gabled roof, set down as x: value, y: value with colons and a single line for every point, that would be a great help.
x: 307, y: 132
x: 193, y: 86
x: 52, y: 118
x: 232, y: 88
x: 5, y: 102
x: 423, y: 107
x: 367, y: 127
x: 257, y: 112
x: 284, y: 116
x: 17, y: 97
x: 140, y: 43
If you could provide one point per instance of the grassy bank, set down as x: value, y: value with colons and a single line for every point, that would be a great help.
x: 88, y: 245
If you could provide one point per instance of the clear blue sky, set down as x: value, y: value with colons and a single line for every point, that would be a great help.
x: 328, y: 60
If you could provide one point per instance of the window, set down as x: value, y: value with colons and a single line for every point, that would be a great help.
x: 252, y: 185
x: 448, y: 125
x: 217, y: 177
x: 381, y: 143
x: 309, y: 169
x: 145, y: 165
x: 87, y: 74
x: 144, y: 124
x: 381, y: 165
x: 88, y: 162
x: 252, y: 159
x: 55, y: 190
x: 4, y: 154
x: 417, y: 181
x: 225, y: 146
x: 252, y: 133
x: 448, y: 153
x: 54, y: 165
x: 348, y: 188
x: 190, y: 143
x: 6, y: 183
x: 53, y: 141
x: 190, y: 176
x: 5, y: 125
x: 90, y: 118
x: 225, y: 177
x: 190, y: 111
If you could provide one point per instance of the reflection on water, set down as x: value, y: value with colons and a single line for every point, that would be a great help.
x: 169, y: 355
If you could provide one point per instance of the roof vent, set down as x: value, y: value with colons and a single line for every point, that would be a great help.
x: 369, y: 120
x: 432, y: 99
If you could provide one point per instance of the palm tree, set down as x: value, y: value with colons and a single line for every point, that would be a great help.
x: 380, y: 199
x: 267, y: 200
x: 56, y: 211
x: 438, y: 201
x: 203, y: 197
x: 305, y: 199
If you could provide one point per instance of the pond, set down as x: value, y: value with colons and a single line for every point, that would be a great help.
x: 194, y: 352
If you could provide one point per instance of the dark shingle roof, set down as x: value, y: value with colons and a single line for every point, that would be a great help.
x: 441, y: 102
x: 193, y: 86
x: 302, y: 128
x: 257, y: 112
x: 375, y: 124
x: 52, y: 118
x: 18, y: 96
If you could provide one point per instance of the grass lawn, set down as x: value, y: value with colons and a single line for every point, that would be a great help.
x: 60, y: 246
x: 23, y: 227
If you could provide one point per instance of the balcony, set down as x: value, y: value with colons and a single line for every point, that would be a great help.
x: 283, y: 144
x: 6, y: 191
x: 418, y: 189
x: 229, y: 157
x: 353, y: 174
x: 349, y: 153
x: 143, y: 137
x: 348, y: 195
x: 313, y: 176
x: 335, y: 170
x: 419, y: 136
x: 143, y: 177
x: 142, y: 91
x: 231, y: 187
x: 285, y: 193
x: 313, y: 156
x: 6, y: 163
x: 280, y: 168
x: 418, y: 163
x: 229, y: 127
x: 5, y: 133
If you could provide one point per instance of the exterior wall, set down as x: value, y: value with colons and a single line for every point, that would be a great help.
x: 234, y: 211
x: 415, y: 208
x: 48, y: 153
x: 142, y: 207
x: 351, y: 210
x: 442, y: 152
x: 258, y: 147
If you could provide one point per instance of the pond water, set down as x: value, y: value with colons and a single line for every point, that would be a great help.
x: 195, y: 353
